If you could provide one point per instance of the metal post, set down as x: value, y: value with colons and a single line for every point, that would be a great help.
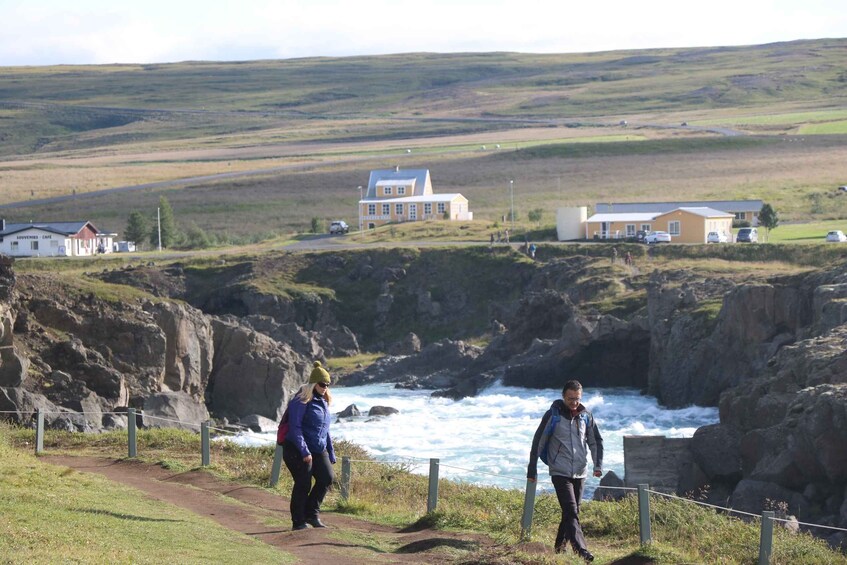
x: 204, y: 444
x: 512, y: 192
x: 644, y: 514
x: 432, y: 497
x: 276, y: 466
x: 766, y: 539
x: 130, y: 429
x: 39, y: 431
x: 345, y: 478
x: 361, y: 216
x: 528, y: 509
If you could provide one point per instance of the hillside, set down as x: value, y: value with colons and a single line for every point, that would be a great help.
x: 763, y: 122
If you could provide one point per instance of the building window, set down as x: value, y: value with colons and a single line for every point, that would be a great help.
x: 413, y: 211
x: 401, y: 190
x: 740, y: 215
x: 34, y: 245
x: 386, y: 191
x: 645, y: 227
x: 371, y: 209
x: 398, y: 209
x: 441, y: 207
x: 428, y: 208
x: 673, y: 227
x: 386, y: 209
x: 14, y: 246
x: 630, y: 230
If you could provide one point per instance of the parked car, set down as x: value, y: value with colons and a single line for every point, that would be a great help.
x: 716, y: 237
x: 338, y: 227
x: 836, y: 236
x: 843, y: 188
x: 657, y: 237
x: 747, y: 235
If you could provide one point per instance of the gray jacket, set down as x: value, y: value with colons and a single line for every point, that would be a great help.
x: 566, y: 441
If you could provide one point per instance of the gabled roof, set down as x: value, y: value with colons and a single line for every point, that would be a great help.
x: 420, y: 177
x: 624, y: 217
x: 663, y: 207
x: 706, y: 212
x: 61, y: 228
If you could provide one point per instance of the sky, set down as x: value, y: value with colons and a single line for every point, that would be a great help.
x: 50, y: 32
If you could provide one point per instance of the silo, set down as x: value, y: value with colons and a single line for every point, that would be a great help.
x: 570, y: 223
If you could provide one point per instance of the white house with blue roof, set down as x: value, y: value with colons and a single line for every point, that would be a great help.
x: 53, y: 239
x: 395, y: 195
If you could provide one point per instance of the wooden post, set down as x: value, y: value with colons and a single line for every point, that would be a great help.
x: 766, y: 538
x: 130, y: 429
x: 39, y: 431
x: 528, y: 509
x: 345, y: 478
x: 644, y: 514
x: 276, y: 466
x: 204, y: 444
x: 432, y: 498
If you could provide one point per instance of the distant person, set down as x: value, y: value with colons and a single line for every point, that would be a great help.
x: 627, y: 259
x: 507, y: 236
x: 614, y: 254
x: 491, y: 241
x: 499, y: 236
x: 307, y: 449
x: 564, y: 438
x: 532, y: 249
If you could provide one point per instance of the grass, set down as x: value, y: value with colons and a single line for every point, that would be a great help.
x: 388, y: 494
x: 52, y: 515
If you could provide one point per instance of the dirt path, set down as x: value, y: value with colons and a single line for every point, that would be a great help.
x: 248, y: 510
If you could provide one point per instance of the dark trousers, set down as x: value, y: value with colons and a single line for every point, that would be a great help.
x: 569, y: 493
x: 306, y: 499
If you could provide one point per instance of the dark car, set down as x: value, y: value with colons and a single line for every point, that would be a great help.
x: 747, y: 235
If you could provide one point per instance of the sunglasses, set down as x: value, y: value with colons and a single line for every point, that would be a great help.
x: 322, y: 385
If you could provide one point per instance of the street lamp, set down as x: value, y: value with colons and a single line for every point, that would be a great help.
x: 512, y: 192
x: 360, y: 209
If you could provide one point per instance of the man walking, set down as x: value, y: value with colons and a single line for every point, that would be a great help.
x: 564, y: 438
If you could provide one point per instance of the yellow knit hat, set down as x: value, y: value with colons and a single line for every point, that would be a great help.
x: 319, y: 374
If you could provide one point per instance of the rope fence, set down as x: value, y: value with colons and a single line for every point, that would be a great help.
x: 643, y: 491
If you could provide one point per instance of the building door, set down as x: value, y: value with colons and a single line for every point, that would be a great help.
x: 604, y: 230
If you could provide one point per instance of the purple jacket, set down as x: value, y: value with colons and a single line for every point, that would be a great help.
x: 308, y: 427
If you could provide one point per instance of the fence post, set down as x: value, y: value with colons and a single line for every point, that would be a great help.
x: 345, y: 478
x: 130, y: 429
x: 204, y: 444
x: 644, y: 514
x: 766, y: 539
x: 276, y: 466
x: 528, y: 509
x: 432, y: 497
x: 39, y: 431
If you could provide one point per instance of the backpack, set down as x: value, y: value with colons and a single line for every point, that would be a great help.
x: 282, y: 430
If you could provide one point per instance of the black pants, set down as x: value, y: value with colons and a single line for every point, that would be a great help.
x: 569, y: 493
x: 306, y: 499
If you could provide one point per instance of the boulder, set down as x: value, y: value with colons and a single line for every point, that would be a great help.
x: 382, y: 411
x: 350, y: 412
x: 610, y: 488
x: 174, y: 410
x: 258, y: 424
x: 409, y: 345
x: 717, y: 451
x: 755, y: 496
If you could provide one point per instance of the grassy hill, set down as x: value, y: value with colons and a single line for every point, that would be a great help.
x: 305, y: 133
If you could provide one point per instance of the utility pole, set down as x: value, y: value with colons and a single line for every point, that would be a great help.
x: 361, y: 223
x: 512, y: 192
x: 159, y: 226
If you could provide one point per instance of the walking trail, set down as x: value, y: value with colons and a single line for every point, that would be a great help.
x: 248, y: 510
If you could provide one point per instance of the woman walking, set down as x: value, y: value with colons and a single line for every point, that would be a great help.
x: 564, y: 438
x: 307, y: 449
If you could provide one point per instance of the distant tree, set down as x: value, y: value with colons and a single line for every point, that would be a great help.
x: 136, y: 228
x: 535, y: 215
x: 196, y: 238
x: 167, y: 223
x: 768, y: 218
x: 316, y: 224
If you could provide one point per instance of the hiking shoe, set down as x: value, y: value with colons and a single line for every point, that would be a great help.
x: 316, y: 523
x: 585, y: 554
x: 302, y: 526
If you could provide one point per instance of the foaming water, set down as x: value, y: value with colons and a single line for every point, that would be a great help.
x: 486, y: 439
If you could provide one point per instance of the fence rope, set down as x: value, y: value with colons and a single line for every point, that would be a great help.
x: 424, y: 461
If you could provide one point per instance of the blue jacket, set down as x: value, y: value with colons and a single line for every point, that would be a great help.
x: 308, y: 426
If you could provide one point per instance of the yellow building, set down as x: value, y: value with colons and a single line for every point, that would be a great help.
x: 395, y: 195
x: 685, y: 224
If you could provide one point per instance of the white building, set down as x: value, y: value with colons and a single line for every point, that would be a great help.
x: 53, y: 239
